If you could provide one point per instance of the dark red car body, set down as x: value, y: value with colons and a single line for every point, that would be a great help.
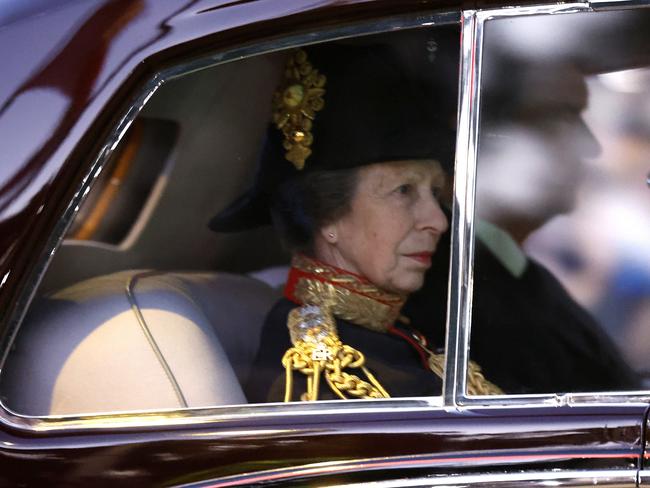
x: 95, y: 55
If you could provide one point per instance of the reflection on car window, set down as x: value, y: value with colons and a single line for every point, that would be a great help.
x: 324, y: 174
x: 562, y: 268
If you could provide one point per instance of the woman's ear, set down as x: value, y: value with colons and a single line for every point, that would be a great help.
x: 329, y: 233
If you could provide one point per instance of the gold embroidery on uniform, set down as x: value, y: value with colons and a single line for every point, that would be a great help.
x: 295, y: 104
x: 347, y: 296
x: 317, y: 349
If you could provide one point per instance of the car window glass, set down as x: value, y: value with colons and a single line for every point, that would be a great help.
x: 144, y: 307
x: 561, y: 296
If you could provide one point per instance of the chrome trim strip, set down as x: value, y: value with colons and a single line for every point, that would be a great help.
x: 548, y: 9
x: 18, y: 421
x: 460, y: 257
x: 575, y: 479
x: 217, y: 414
x: 129, y: 289
x: 265, y: 412
x: 584, y: 478
x: 600, y: 5
x: 360, y: 29
x: 465, y: 325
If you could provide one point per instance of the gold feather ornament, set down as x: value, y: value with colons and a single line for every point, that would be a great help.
x: 295, y: 105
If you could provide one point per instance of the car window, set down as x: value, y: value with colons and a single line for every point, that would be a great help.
x: 144, y: 307
x: 561, y: 295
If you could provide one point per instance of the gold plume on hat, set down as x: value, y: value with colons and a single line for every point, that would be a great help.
x: 295, y: 104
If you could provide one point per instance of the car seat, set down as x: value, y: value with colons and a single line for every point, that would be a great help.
x: 137, y: 340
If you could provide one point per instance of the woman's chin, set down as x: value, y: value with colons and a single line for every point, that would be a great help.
x: 407, y: 283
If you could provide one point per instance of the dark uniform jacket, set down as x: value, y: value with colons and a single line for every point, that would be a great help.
x: 528, y: 335
x: 397, y: 365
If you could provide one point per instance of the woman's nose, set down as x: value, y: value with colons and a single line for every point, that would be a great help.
x: 432, y: 217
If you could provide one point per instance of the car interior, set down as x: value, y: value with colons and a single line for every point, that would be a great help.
x: 140, y: 242
x: 142, y: 306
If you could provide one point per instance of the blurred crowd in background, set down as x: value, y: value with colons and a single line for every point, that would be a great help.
x: 600, y: 249
x: 564, y: 160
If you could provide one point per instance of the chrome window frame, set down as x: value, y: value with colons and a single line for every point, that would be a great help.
x: 462, y: 257
x: 462, y: 228
x: 204, y: 415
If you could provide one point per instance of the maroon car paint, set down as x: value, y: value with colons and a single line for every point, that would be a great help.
x: 57, y: 103
x: 467, y: 441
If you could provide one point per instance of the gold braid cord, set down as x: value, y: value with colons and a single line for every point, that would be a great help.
x: 318, y: 352
x: 477, y: 384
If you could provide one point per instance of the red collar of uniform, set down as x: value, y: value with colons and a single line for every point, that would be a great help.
x: 349, y: 296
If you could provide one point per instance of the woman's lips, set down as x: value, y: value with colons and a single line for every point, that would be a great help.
x: 421, y: 257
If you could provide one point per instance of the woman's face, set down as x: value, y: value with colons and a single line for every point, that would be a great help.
x: 393, y: 227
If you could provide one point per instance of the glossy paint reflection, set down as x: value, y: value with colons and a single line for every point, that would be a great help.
x: 600, y: 438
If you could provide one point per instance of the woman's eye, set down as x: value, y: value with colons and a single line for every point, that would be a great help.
x: 404, y: 189
x: 436, y: 192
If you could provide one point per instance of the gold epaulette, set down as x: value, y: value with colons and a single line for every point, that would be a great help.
x: 317, y: 351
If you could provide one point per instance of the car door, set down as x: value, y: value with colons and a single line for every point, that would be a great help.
x: 562, y: 436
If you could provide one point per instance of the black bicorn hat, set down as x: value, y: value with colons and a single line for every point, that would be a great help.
x: 342, y: 106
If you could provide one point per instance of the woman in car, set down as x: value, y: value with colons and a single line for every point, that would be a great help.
x: 351, y: 175
x: 352, y: 172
